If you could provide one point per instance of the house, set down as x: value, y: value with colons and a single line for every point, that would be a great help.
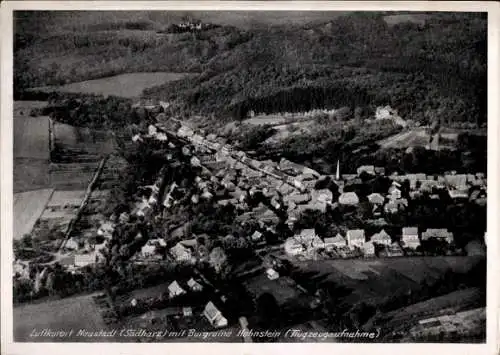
x: 459, y: 193
x: 337, y: 241
x: 370, y: 169
x: 148, y: 250
x: 355, y: 237
x: 272, y: 274
x: 310, y: 239
x: 187, y: 311
x: 394, y: 192
x: 214, y: 316
x: 381, y: 238
x: 409, y: 237
x: 348, y: 198
x: 457, y: 181
x: 194, y: 285
x: 82, y: 260
x: 323, y: 195
x: 394, y: 250
x: 71, y: 244
x: 368, y: 249
x: 256, y: 236
x: 181, y: 253
x: 174, y: 290
x: 293, y: 246
x: 391, y: 207
x: 195, y: 161
x: 298, y: 198
x: 376, y: 199
x: 439, y: 233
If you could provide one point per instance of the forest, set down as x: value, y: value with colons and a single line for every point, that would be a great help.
x: 435, y: 71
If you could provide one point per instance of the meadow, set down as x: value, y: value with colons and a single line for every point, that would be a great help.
x: 28, y: 206
x: 374, y: 280
x: 31, y: 138
x: 130, y: 85
x: 66, y: 314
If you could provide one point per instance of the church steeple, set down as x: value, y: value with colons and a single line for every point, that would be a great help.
x: 337, y: 174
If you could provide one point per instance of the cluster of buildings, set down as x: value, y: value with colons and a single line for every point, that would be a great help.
x: 232, y: 177
x: 355, y: 242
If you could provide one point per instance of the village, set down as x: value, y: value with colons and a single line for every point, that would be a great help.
x: 266, y: 195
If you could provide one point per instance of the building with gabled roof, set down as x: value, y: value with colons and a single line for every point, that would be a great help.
x: 348, y: 198
x: 337, y: 241
x: 409, y: 237
x: 174, y: 290
x: 214, y: 316
x: 355, y: 237
x: 438, y: 233
x: 376, y: 199
x: 194, y: 285
x: 381, y: 238
x: 370, y: 169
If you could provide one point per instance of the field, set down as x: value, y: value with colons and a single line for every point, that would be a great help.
x: 128, y: 85
x: 411, y: 138
x: 31, y: 138
x: 23, y: 108
x: 84, y: 139
x: 66, y: 198
x: 450, y: 303
x: 376, y: 279
x: 67, y: 314
x: 30, y: 174
x: 28, y: 206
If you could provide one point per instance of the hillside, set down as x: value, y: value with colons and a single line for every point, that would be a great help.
x: 427, y: 72
x: 430, y: 69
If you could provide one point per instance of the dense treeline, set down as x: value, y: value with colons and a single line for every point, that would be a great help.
x: 353, y: 60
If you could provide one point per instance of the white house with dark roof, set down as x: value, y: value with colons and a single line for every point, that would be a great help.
x: 409, y: 237
x: 355, y: 237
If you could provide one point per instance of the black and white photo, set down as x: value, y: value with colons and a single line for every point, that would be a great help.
x: 230, y: 176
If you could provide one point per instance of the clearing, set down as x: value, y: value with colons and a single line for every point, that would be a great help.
x: 28, y: 206
x: 411, y: 138
x: 67, y: 314
x: 128, y: 85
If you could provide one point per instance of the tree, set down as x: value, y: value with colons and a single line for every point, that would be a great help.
x: 268, y: 310
x: 217, y: 259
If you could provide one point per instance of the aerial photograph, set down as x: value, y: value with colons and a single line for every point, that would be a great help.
x: 249, y: 177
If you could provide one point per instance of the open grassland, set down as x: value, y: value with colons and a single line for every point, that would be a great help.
x: 28, y: 206
x: 30, y: 174
x: 66, y: 314
x: 412, y: 138
x: 31, y: 138
x: 128, y: 85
